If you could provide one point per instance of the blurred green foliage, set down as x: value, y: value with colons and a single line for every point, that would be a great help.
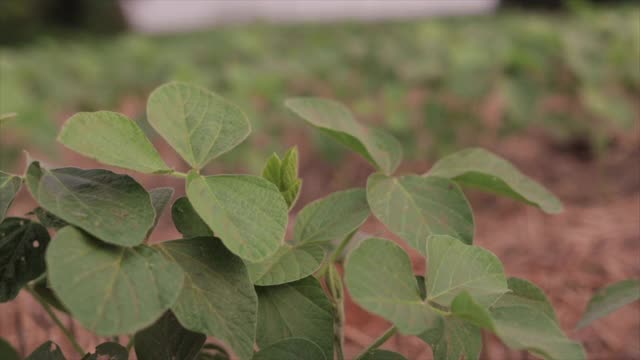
x: 436, y: 84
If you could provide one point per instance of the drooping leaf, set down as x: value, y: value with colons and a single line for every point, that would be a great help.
x: 49, y: 220
x: 218, y: 298
x: 187, y: 221
x: 160, y: 197
x: 139, y: 277
x: 416, y: 207
x: 378, y: 354
x: 291, y: 349
x: 298, y: 309
x: 7, y: 352
x: 114, y: 208
x: 289, y: 263
x: 378, y: 147
x: 22, y: 254
x: 453, y: 339
x: 112, y: 139
x: 108, y: 351
x: 332, y: 217
x: 478, y: 168
x: 197, y: 123
x: 455, y: 267
x: 47, y: 351
x: 380, y: 278
x: 610, y: 299
x: 9, y: 186
x: 246, y: 212
x: 284, y: 174
x: 167, y: 339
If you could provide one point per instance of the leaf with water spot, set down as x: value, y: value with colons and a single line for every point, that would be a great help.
x: 108, y: 351
x: 217, y: 298
x: 167, y: 339
x: 9, y: 186
x: 187, y: 221
x: 112, y: 207
x: 610, y: 299
x: 112, y: 139
x: 291, y: 349
x: 197, y: 123
x: 47, y: 351
x: 22, y: 254
x: 140, y: 277
x: 416, y: 207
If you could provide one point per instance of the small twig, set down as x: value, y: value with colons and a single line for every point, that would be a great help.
x: 378, y: 342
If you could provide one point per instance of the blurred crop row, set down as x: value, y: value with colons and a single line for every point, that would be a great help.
x: 436, y: 84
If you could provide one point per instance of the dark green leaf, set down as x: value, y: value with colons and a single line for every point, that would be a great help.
x: 218, y: 298
x: 47, y: 351
x: 291, y: 349
x: 108, y: 351
x: 187, y: 221
x: 167, y: 339
x: 114, y: 208
x: 139, y: 277
x: 610, y: 299
x: 9, y: 186
x: 298, y: 309
x: 22, y: 254
x: 7, y: 352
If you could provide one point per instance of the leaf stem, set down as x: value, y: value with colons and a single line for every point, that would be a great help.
x: 378, y: 342
x: 56, y: 320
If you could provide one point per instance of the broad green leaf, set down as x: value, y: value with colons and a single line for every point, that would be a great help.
x: 167, y: 339
x: 114, y: 208
x: 7, y: 352
x: 479, y: 168
x: 455, y: 267
x: 453, y: 339
x: 284, y: 174
x: 197, y: 123
x: 380, y: 278
x: 22, y: 254
x: 378, y: 147
x: 416, y: 207
x: 187, y: 221
x: 289, y: 263
x: 112, y: 139
x: 108, y: 351
x: 291, y: 349
x: 218, y: 298
x: 160, y: 197
x: 246, y: 212
x: 330, y: 218
x: 298, y: 309
x: 49, y: 220
x: 93, y: 279
x: 9, y: 186
x: 610, y: 299
x: 47, y: 351
x: 378, y: 354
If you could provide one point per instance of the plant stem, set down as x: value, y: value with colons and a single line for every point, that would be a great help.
x: 336, y: 254
x: 56, y: 320
x: 378, y: 342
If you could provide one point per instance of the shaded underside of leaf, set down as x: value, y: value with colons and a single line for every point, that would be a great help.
x: 610, y: 299
x: 9, y: 186
x: 291, y: 349
x: 93, y: 279
x: 476, y: 167
x: 167, y: 339
x: 112, y: 139
x: 288, y: 264
x: 112, y: 207
x: 217, y: 298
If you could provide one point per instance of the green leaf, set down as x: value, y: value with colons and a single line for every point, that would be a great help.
x: 610, y: 299
x: 291, y: 349
x: 289, y: 263
x: 380, y: 278
x: 246, y: 212
x: 330, y: 218
x: 112, y: 139
x: 378, y: 354
x: 298, y: 309
x: 217, y: 297
x: 22, y: 250
x: 455, y: 267
x: 378, y: 147
x: 108, y: 351
x: 49, y: 220
x: 139, y: 277
x: 478, y: 168
x: 453, y: 339
x: 114, y: 208
x: 9, y: 186
x: 416, y: 207
x: 47, y: 351
x: 7, y: 352
x: 197, y: 123
x: 187, y: 221
x: 284, y: 175
x: 167, y: 339
x: 160, y: 197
